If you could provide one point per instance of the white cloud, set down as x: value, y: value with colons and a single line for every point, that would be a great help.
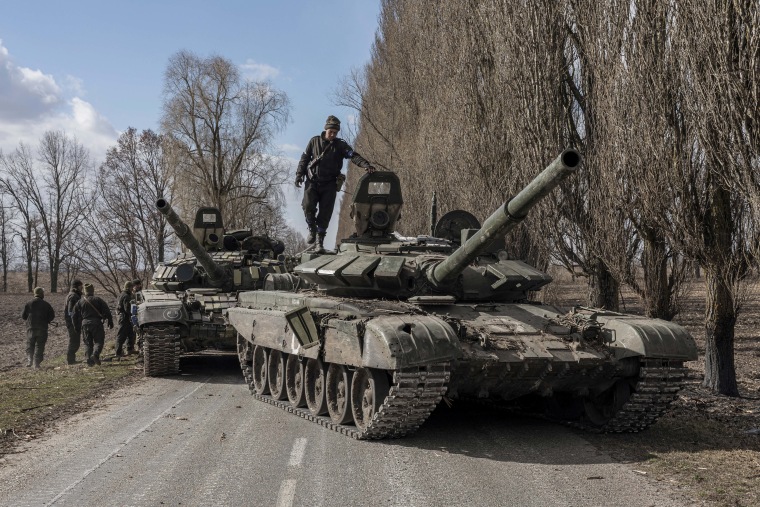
x: 259, y: 71
x: 32, y: 102
x: 292, y: 148
x: 74, y: 85
x: 25, y: 94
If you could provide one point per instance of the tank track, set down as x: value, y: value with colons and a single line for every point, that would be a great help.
x: 413, y: 395
x: 161, y: 351
x: 657, y: 388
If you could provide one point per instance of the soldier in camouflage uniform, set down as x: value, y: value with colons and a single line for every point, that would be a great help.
x: 91, y: 311
x: 320, y: 166
x: 38, y: 314
x: 124, y: 333
x: 74, y: 329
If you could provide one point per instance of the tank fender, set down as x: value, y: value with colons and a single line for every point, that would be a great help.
x: 651, y: 338
x: 268, y: 328
x: 393, y: 342
x: 161, y: 312
x: 343, y: 342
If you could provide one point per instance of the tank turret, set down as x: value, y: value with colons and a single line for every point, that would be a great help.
x: 377, y: 262
x: 217, y: 276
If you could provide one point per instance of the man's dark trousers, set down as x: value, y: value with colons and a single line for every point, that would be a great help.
x: 320, y: 194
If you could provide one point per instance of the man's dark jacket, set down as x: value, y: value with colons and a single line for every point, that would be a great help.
x: 72, y: 298
x: 92, y: 309
x: 331, y: 163
x: 124, y: 307
x: 38, y: 314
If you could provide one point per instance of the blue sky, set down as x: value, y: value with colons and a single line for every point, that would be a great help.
x: 95, y: 68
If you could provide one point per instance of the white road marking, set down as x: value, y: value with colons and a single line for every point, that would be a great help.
x: 287, y: 493
x: 124, y: 444
x: 296, y: 455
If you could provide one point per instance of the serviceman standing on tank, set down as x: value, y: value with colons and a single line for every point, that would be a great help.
x: 91, y: 311
x: 320, y: 167
x: 74, y: 329
x: 38, y: 314
x: 124, y: 333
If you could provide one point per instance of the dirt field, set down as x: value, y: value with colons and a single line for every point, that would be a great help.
x: 13, y: 330
x: 707, y: 445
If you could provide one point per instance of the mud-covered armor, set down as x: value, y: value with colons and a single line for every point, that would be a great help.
x: 367, y: 341
x: 182, y: 312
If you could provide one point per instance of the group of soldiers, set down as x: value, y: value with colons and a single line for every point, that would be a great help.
x: 85, y: 315
x: 319, y: 169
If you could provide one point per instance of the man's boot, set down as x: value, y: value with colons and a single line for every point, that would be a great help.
x: 29, y: 360
x: 36, y: 363
x: 320, y: 243
x: 312, y: 235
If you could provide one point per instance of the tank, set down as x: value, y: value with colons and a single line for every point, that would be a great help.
x: 181, y: 312
x: 368, y: 340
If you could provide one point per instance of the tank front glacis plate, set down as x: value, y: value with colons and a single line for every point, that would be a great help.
x: 161, y: 312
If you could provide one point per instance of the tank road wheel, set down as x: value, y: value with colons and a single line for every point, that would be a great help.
x: 600, y: 409
x: 314, y: 386
x: 337, y: 393
x: 294, y: 377
x: 260, y: 359
x: 276, y: 372
x: 369, y: 387
x: 245, y: 355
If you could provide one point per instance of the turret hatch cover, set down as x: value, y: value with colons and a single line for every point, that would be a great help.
x: 451, y: 224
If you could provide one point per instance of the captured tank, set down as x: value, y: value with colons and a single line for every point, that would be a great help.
x: 182, y: 312
x: 367, y: 341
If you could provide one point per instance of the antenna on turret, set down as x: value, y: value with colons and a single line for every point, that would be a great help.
x: 433, y: 214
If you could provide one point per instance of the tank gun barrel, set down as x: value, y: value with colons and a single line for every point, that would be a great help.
x: 505, y: 218
x: 216, y: 274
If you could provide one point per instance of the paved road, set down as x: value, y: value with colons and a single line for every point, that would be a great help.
x: 199, y: 439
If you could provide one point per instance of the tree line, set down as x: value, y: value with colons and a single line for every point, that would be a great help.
x: 473, y: 97
x: 64, y: 213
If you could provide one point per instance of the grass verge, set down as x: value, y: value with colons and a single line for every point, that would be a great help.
x: 701, y: 454
x: 32, y: 400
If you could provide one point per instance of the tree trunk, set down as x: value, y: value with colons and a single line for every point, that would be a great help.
x: 55, y: 268
x: 720, y: 321
x: 657, y: 295
x: 604, y: 289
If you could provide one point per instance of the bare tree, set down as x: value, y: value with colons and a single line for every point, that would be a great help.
x: 6, y: 238
x: 710, y: 217
x: 134, y: 176
x: 222, y: 125
x: 55, y: 190
x: 26, y: 222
